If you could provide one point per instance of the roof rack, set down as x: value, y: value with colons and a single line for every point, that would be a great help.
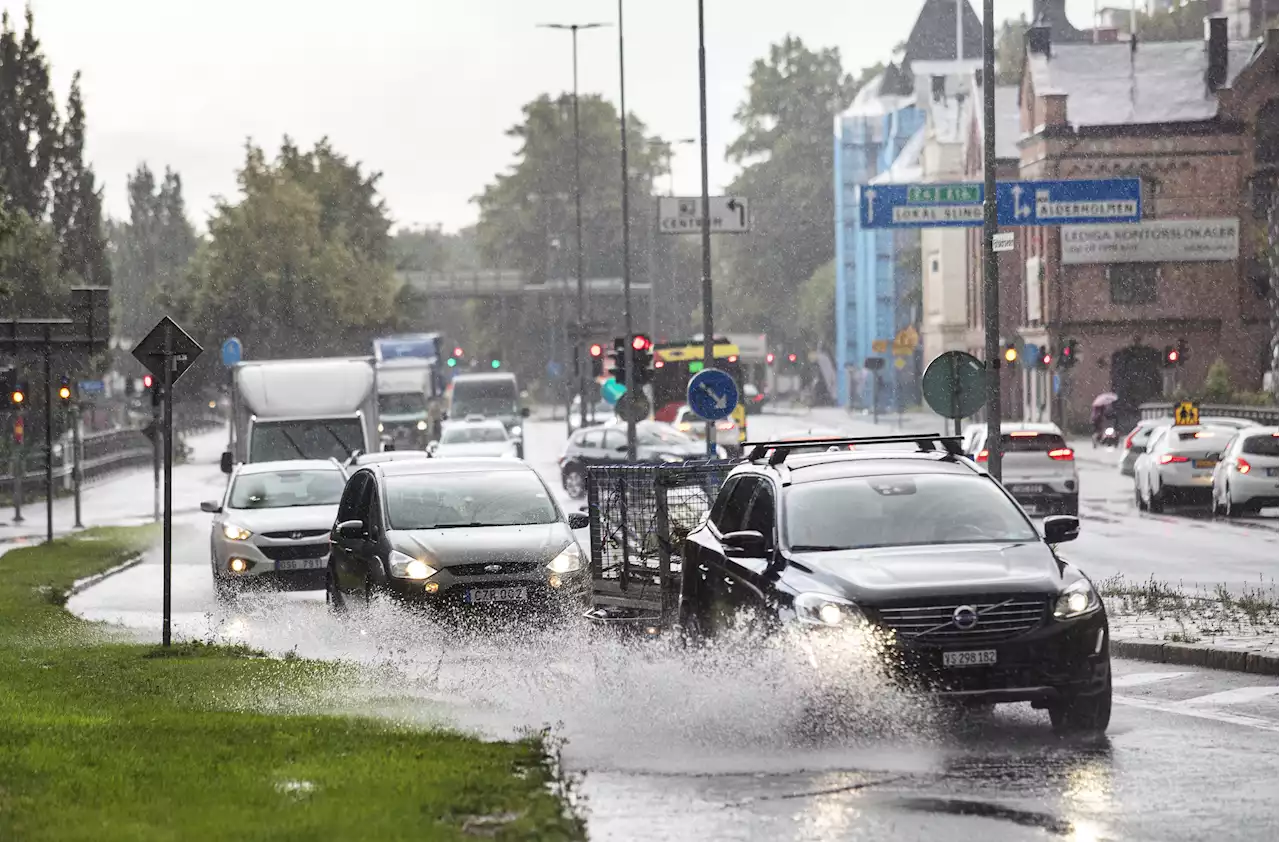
x: 925, y: 443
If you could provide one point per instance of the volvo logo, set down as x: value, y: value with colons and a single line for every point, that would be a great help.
x: 493, y: 568
x: 965, y: 617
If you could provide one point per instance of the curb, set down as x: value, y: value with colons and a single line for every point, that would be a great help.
x: 89, y: 581
x: 1196, y: 655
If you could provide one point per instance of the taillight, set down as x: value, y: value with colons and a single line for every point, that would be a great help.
x: 1172, y: 457
x: 725, y: 425
x: 1062, y: 454
x: 1242, y: 466
x: 1128, y: 441
x: 981, y: 457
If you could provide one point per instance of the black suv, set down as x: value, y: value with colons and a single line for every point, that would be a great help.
x: 919, y: 546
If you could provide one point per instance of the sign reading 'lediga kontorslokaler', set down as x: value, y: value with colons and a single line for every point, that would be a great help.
x: 1154, y: 241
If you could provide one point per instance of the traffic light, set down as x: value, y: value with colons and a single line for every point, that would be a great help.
x: 1182, y: 352
x: 1172, y: 356
x: 1011, y: 352
x: 457, y: 351
x: 619, y: 368
x: 1045, y: 359
x: 150, y: 386
x: 791, y: 358
x: 768, y: 358
x: 451, y: 362
x: 1067, y: 354
x: 496, y: 364
x: 64, y: 390
x: 643, y: 357
x: 597, y: 359
x: 18, y: 393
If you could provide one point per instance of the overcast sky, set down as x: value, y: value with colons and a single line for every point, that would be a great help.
x: 421, y: 90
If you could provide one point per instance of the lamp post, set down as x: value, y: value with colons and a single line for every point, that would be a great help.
x: 628, y: 351
x: 583, y: 315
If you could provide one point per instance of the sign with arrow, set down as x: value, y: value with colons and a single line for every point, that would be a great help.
x: 683, y: 215
x: 1066, y: 202
x: 712, y: 394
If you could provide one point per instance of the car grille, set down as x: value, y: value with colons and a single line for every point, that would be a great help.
x: 933, y: 623
x: 295, y: 534
x: 295, y: 551
x: 508, y: 568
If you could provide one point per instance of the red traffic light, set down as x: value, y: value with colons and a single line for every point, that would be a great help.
x: 1173, y: 355
x: 596, y: 349
x: 768, y: 358
x: 640, y: 342
x: 457, y: 350
x: 791, y: 358
x: 148, y: 381
x: 1047, y: 358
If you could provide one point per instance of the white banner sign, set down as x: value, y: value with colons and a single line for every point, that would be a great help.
x: 1157, y: 241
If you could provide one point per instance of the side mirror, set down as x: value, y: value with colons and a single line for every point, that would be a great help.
x: 747, y: 542
x: 524, y: 412
x: 351, y: 529
x: 226, y: 461
x: 579, y: 520
x: 211, y: 506
x: 1060, y: 528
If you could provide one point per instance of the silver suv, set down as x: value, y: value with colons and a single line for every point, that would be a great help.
x: 1037, y: 467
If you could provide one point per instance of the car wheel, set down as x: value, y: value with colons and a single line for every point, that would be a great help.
x: 1228, y: 510
x: 1157, y: 500
x: 333, y: 595
x: 1137, y: 498
x: 1083, y: 715
x: 575, y: 483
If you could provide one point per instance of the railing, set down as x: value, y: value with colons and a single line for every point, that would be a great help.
x: 1265, y: 415
x: 102, y: 453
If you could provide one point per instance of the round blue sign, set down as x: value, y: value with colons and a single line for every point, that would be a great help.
x: 712, y: 394
x: 232, y: 351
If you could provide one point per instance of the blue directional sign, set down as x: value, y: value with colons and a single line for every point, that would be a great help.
x: 232, y: 351
x: 1068, y: 202
x: 91, y: 387
x: 712, y: 394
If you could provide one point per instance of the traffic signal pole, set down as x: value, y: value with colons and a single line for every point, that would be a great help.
x: 990, y: 266
x: 48, y: 435
x: 708, y: 332
x: 628, y: 352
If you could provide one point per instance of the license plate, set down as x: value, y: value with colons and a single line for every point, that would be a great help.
x: 478, y: 595
x: 972, y: 658
x: 302, y: 564
x: 1206, y: 463
x: 1023, y: 489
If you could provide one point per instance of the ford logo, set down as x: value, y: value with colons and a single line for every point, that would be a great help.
x: 965, y: 617
x: 493, y: 568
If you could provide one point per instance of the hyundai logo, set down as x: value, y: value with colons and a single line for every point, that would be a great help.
x: 297, y: 536
x: 965, y: 617
x: 493, y: 568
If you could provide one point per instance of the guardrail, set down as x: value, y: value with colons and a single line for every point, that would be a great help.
x: 1269, y: 416
x: 102, y: 453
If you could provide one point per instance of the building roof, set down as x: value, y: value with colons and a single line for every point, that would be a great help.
x: 1112, y: 85
x: 871, y: 101
x: 1008, y: 119
x: 933, y: 37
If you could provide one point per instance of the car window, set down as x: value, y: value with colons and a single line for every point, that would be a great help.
x: 1028, y: 442
x: 595, y: 438
x: 349, y: 507
x: 471, y: 498
x: 473, y: 435
x: 1157, y: 438
x: 282, y: 489
x: 735, y: 499
x: 898, y: 510
x: 760, y: 516
x: 1264, y: 444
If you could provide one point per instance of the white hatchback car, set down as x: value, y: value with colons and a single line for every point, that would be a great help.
x: 471, y: 438
x: 1178, y: 465
x: 1247, y: 477
x: 1037, y: 466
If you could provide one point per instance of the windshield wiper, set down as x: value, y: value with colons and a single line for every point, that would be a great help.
x: 337, y: 438
x: 293, y: 443
x: 817, y: 548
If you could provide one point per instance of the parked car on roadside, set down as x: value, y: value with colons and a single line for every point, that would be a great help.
x: 1178, y: 466
x: 1247, y: 477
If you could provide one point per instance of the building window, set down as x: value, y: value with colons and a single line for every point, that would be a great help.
x: 1133, y: 283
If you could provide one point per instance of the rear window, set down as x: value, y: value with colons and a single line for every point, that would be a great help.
x: 1264, y: 445
x: 1031, y: 443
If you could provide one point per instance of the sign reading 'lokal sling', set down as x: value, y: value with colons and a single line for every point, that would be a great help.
x: 1154, y: 241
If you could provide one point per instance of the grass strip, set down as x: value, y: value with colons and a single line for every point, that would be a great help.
x: 107, y: 741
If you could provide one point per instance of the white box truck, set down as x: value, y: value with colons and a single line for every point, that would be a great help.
x: 303, y: 409
x: 410, y: 389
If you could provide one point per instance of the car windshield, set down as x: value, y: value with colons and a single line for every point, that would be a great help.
x: 1262, y: 445
x: 472, y: 498
x: 402, y: 404
x: 282, y: 489
x: 900, y: 510
x: 275, y: 441
x: 1029, y: 442
x: 473, y: 435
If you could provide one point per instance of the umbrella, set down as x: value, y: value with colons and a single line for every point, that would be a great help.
x: 1105, y: 399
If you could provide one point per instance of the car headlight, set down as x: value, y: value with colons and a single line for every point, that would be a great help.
x: 381, y: 429
x: 405, y: 566
x: 1077, y: 600
x: 670, y: 457
x: 422, y: 425
x: 235, y: 533
x: 516, y: 432
x: 819, y: 609
x: 569, y: 559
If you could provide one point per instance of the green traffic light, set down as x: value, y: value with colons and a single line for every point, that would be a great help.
x: 497, y: 363
x: 451, y: 362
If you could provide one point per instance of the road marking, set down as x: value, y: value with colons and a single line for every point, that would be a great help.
x: 1218, y: 716
x: 1135, y: 679
x: 1238, y: 696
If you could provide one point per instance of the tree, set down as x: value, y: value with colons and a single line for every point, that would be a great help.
x: 30, y: 284
x: 29, y: 127
x: 1009, y: 46
x: 785, y: 142
x: 1217, y: 383
x: 77, y: 202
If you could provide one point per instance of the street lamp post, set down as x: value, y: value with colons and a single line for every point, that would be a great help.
x: 628, y: 351
x: 580, y: 365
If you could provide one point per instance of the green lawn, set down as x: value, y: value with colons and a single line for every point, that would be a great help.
x: 105, y: 741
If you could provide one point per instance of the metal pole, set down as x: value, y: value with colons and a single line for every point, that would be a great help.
x: 19, y: 468
x: 77, y: 467
x: 580, y: 365
x: 653, y: 274
x: 628, y: 352
x: 708, y: 327
x: 167, y: 397
x: 955, y: 392
x: 48, y: 436
x: 156, y: 456
x: 990, y: 268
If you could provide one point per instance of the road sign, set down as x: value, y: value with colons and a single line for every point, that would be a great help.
x: 1186, y: 414
x: 611, y: 390
x: 232, y: 351
x: 873, y: 363
x: 712, y: 394
x: 1002, y: 241
x: 632, y: 407
x: 954, y: 384
x: 1030, y: 355
x: 91, y: 387
x: 683, y: 215
x: 166, y: 339
x: 880, y: 346
x: 907, y: 340
x: 1068, y: 202
x: 899, y: 362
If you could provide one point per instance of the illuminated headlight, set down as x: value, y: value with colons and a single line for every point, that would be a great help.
x: 235, y: 533
x: 381, y: 429
x: 516, y: 432
x: 404, y: 566
x: 670, y: 457
x: 422, y: 425
x: 817, y: 609
x: 1078, y: 600
x: 569, y: 560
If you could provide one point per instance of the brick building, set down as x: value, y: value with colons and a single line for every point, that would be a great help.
x: 1196, y: 122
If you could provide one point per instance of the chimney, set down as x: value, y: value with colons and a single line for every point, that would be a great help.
x: 1215, y: 47
x: 1038, y: 39
x: 938, y: 86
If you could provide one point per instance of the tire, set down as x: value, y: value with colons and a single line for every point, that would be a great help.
x: 1137, y: 498
x: 1083, y: 715
x: 333, y: 597
x: 1228, y: 510
x: 1156, y: 503
x: 575, y: 482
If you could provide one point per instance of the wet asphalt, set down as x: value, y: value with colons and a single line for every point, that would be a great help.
x: 718, y: 744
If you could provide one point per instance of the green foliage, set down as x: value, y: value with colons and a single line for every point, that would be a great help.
x: 30, y: 133
x: 1217, y: 384
x: 77, y: 203
x: 30, y: 283
x: 818, y: 306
